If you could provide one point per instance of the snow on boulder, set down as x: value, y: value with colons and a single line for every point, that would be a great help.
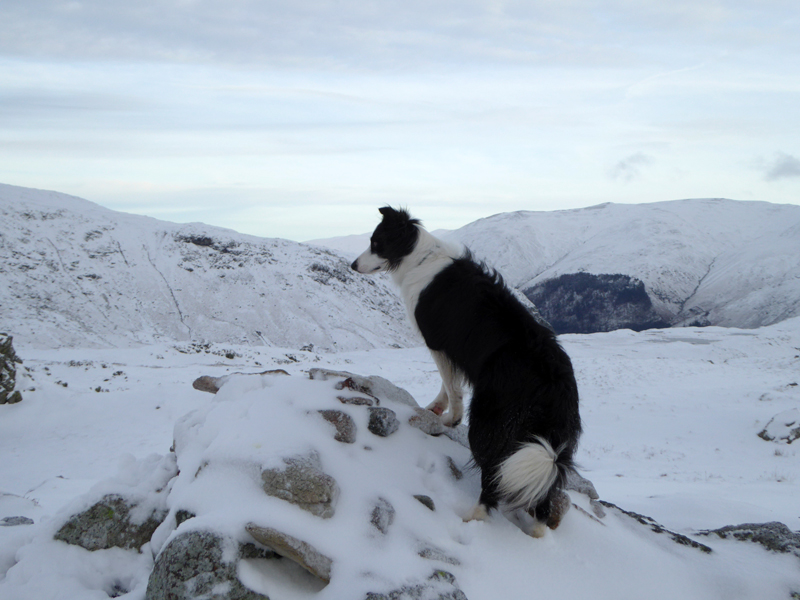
x: 783, y: 427
x: 123, y: 513
x: 320, y: 472
x: 774, y: 536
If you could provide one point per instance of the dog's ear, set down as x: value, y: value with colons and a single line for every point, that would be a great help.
x: 388, y: 212
x: 397, y: 218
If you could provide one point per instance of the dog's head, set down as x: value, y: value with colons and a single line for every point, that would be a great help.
x: 393, y: 239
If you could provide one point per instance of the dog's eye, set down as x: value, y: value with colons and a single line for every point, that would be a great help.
x: 373, y: 246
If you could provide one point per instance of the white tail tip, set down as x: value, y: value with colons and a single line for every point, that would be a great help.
x: 526, y: 476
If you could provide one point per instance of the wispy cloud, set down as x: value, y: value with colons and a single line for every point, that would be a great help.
x: 394, y: 33
x: 630, y: 168
x: 781, y: 167
x: 434, y: 103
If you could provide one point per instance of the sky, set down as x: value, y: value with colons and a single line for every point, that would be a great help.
x: 299, y: 119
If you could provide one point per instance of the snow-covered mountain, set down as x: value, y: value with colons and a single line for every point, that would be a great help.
x: 76, y: 274
x: 717, y: 262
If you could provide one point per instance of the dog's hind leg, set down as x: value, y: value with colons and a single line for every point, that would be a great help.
x: 451, y: 394
x: 488, y: 499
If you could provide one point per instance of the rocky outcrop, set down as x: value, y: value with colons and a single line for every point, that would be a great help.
x: 587, y: 303
x: 303, y: 483
x: 656, y: 527
x: 8, y: 371
x: 773, y: 536
x: 441, y: 585
x: 110, y: 523
x: 199, y: 564
x: 294, y: 549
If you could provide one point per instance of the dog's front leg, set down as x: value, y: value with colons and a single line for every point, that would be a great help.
x: 451, y: 394
x: 440, y: 403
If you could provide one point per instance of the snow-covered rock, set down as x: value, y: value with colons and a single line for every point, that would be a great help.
x: 783, y: 427
x: 773, y: 536
x: 77, y: 274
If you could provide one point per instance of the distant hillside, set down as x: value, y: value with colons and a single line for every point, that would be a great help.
x: 75, y: 274
x: 701, y: 262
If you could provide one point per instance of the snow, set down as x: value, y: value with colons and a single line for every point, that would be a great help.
x: 671, y: 423
x: 77, y: 274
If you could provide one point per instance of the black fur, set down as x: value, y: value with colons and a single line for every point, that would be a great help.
x: 395, y: 236
x: 523, y: 382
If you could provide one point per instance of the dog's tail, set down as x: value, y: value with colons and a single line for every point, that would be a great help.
x: 526, y: 477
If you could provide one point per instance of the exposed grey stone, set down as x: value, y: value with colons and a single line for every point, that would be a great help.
x: 658, y: 528
x: 432, y: 553
x: 206, y: 383
x: 212, y: 385
x: 344, y: 424
x: 108, y: 524
x: 441, y: 585
x: 8, y: 371
x: 597, y: 508
x: 296, y: 550
x: 192, y: 566
x: 458, y: 434
x: 426, y: 500
x: 773, y: 536
x: 249, y: 550
x: 14, y: 521
x: 374, y: 386
x: 304, y: 484
x: 454, y: 470
x: 183, y: 515
x: 382, y: 515
x: 382, y: 421
x: 578, y: 483
x: 357, y: 400
x: 427, y: 422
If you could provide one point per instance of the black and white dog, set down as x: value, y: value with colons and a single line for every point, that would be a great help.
x: 524, y: 422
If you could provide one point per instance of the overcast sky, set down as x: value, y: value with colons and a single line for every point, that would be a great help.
x: 299, y: 118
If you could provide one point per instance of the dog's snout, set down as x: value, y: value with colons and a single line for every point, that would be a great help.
x: 354, y: 266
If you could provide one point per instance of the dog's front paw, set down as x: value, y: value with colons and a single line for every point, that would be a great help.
x: 438, y: 406
x: 451, y: 420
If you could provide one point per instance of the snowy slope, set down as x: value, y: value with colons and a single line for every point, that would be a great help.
x: 721, y: 262
x: 76, y: 274
x: 671, y: 419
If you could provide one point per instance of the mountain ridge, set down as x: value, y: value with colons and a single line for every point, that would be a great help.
x: 703, y: 261
x: 76, y: 273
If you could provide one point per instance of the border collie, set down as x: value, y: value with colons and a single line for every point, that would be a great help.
x: 524, y: 422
